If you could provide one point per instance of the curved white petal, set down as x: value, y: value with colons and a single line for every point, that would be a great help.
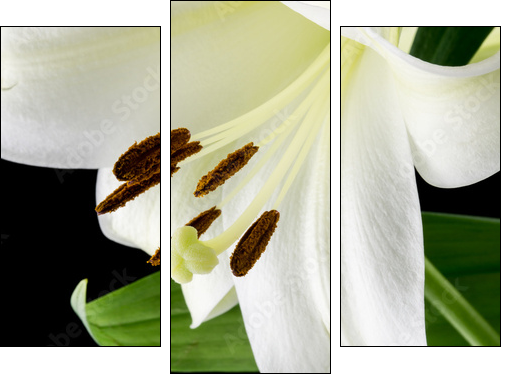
x: 208, y: 296
x: 382, y: 263
x: 285, y: 298
x: 452, y: 115
x: 137, y: 224
x: 228, y: 59
x: 78, y: 97
x: 316, y: 11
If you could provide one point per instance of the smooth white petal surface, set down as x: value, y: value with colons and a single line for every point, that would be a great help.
x: 382, y: 264
x: 78, y: 97
x: 137, y: 224
x: 208, y: 296
x: 316, y: 11
x: 285, y: 298
x: 452, y: 114
x: 226, y: 60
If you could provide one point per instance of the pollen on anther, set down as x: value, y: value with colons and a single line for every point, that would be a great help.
x: 155, y: 259
x: 228, y: 167
x: 253, y: 243
x: 126, y: 193
x: 140, y: 161
x: 204, y: 220
x: 181, y: 149
x: 178, y: 138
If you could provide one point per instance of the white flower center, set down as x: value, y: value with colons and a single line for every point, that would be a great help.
x: 310, y: 117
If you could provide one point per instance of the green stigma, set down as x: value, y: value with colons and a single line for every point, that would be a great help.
x: 189, y: 256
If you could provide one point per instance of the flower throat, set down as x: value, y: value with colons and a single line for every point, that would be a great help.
x: 252, y: 232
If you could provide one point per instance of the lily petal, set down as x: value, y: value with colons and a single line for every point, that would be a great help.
x: 316, y: 11
x: 137, y: 224
x: 78, y: 97
x: 382, y: 265
x: 287, y: 291
x: 208, y: 296
x: 450, y: 112
x: 221, y: 65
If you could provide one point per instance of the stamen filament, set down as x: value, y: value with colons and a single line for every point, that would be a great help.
x: 191, y: 256
x: 229, y: 236
x: 259, y: 115
x: 316, y: 116
x: 313, y: 97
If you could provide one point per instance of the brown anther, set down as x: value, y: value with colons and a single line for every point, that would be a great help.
x: 253, y: 243
x: 178, y: 138
x: 204, y: 220
x: 173, y: 169
x: 187, y: 150
x: 180, y: 149
x: 141, y: 160
x: 225, y: 169
x: 155, y: 259
x: 125, y: 193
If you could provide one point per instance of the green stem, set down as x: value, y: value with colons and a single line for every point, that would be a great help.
x: 454, y: 307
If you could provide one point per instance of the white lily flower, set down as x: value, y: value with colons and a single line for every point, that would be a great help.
x: 256, y: 72
x: 79, y: 98
x: 399, y: 112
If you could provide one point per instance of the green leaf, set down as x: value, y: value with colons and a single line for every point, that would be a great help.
x: 448, y: 46
x: 129, y: 316
x: 218, y: 345
x: 466, y: 250
x: 78, y: 303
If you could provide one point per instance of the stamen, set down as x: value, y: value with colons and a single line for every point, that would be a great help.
x: 225, y: 169
x: 173, y: 169
x: 155, y: 259
x: 312, y: 114
x: 204, y: 220
x: 178, y: 138
x: 187, y: 150
x: 140, y: 160
x: 125, y: 193
x: 253, y: 243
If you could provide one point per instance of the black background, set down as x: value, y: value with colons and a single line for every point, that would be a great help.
x: 481, y: 199
x: 51, y: 240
